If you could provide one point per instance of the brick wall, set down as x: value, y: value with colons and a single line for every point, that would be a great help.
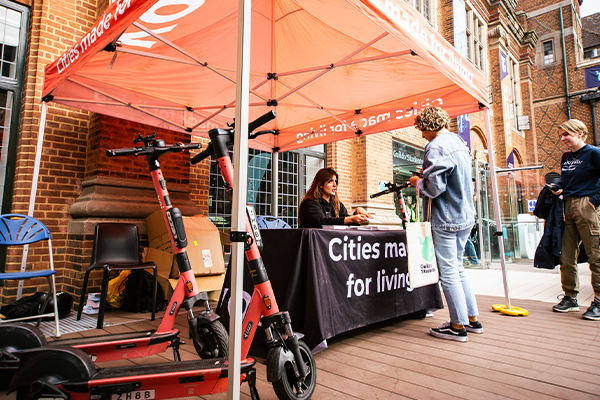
x: 548, y: 83
x: 55, y: 25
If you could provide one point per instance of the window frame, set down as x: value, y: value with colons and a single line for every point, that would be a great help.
x: 218, y: 195
x: 15, y: 86
x: 544, y: 61
x: 419, y: 6
x: 476, y: 31
x: 514, y: 90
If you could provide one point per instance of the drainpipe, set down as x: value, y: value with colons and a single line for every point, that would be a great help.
x: 594, y: 122
x: 564, y: 57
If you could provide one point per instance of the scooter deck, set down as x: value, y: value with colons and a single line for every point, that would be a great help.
x: 157, y: 381
x: 122, y: 345
x: 193, y: 367
x: 155, y: 338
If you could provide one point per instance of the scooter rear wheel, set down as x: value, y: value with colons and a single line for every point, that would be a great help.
x: 288, y: 387
x: 214, y: 341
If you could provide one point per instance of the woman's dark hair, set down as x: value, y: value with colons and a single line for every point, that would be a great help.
x: 315, y: 191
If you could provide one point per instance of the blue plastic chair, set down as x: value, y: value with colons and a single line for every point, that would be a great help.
x: 270, y: 222
x: 21, y: 230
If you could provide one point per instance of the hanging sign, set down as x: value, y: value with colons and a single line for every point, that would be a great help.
x: 592, y: 77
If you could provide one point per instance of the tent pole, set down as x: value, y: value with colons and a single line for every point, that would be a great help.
x: 275, y: 184
x: 240, y: 186
x: 496, y: 203
x: 34, y: 183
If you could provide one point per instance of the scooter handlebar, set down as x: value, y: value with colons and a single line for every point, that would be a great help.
x: 391, y: 188
x: 124, y: 152
x: 204, y: 154
x: 137, y: 151
x: 263, y: 119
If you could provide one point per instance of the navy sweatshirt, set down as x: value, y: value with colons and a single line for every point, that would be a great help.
x: 580, y: 174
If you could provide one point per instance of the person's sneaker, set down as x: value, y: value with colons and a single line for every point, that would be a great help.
x: 567, y: 304
x: 593, y: 312
x: 446, y: 331
x: 474, y: 327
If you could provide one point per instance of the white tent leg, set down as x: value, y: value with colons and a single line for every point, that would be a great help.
x: 240, y: 186
x: 496, y: 203
x: 34, y: 184
x: 275, y: 184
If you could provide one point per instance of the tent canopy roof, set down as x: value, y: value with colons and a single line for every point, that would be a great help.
x: 331, y: 69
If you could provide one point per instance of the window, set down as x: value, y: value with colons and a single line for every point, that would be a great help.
x: 548, y: 52
x: 292, y: 165
x: 476, y: 34
x: 592, y: 53
x: 406, y: 158
x: 515, y: 92
x: 425, y: 7
x: 13, y: 42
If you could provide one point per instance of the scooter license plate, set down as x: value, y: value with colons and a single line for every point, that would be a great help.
x: 135, y: 395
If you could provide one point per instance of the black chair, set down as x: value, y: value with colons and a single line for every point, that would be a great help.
x: 116, y: 248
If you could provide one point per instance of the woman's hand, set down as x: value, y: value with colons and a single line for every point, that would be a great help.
x: 556, y: 192
x: 413, y: 180
x: 362, y: 211
x: 355, y: 219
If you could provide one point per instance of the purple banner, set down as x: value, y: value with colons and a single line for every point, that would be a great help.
x: 592, y: 77
x: 464, y: 128
x: 503, y: 65
x: 510, y: 160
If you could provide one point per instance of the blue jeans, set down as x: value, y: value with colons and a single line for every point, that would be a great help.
x: 449, y: 247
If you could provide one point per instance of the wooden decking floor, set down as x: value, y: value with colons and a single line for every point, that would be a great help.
x: 545, y: 355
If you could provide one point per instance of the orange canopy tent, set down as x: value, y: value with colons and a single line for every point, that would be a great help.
x: 332, y: 69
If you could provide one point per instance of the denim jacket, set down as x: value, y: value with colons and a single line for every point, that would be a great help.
x: 447, y: 182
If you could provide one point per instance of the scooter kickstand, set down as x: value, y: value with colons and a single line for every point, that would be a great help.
x: 251, y: 379
x: 175, y: 343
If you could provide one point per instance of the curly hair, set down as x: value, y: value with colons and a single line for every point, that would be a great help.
x: 432, y: 119
x: 573, y: 127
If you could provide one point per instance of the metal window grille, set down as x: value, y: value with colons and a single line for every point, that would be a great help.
x: 259, y: 188
x: 288, y: 187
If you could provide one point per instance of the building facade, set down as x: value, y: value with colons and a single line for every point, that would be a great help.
x: 531, y: 51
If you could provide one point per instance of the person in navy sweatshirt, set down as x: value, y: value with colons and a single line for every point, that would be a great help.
x: 580, y: 188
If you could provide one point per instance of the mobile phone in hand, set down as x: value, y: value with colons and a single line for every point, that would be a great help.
x: 550, y: 186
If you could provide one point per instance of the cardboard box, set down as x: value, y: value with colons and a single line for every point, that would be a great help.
x: 207, y: 283
x: 162, y: 259
x: 204, y: 244
x: 164, y: 264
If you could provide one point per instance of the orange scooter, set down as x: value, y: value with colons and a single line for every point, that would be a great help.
x: 68, y: 373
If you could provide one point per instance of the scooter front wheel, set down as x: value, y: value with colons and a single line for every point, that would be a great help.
x: 213, y: 340
x: 291, y: 388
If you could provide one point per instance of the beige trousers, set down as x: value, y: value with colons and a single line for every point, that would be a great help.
x: 582, y: 224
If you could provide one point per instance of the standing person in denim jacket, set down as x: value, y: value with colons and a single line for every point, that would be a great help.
x: 580, y: 187
x: 447, y: 183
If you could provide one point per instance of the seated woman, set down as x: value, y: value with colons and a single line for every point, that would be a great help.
x: 321, y: 206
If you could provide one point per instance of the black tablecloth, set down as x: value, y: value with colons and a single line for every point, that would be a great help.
x: 332, y: 281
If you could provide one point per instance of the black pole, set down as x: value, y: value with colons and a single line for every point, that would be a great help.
x: 592, y: 98
x: 594, y: 122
